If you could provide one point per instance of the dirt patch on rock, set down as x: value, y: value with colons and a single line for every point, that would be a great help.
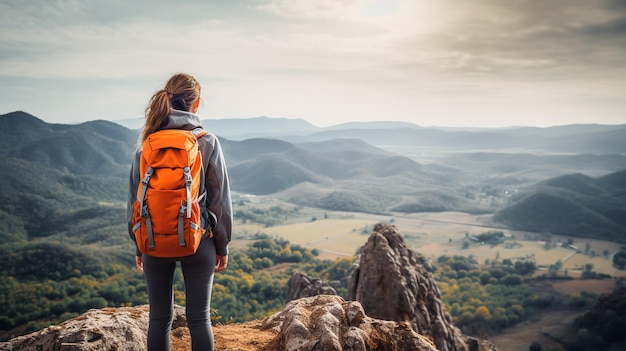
x: 232, y: 337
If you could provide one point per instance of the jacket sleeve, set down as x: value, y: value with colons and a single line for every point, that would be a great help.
x: 218, y: 193
x: 133, y: 184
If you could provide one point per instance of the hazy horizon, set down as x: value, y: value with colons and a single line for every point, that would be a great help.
x: 486, y: 64
x: 125, y: 121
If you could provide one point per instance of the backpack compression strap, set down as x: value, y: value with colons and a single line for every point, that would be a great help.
x: 144, y: 208
x: 188, y: 180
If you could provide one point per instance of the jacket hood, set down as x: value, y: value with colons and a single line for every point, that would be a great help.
x: 182, y: 120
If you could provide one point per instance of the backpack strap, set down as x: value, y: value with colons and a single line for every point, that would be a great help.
x: 144, y: 208
x: 144, y: 186
x: 149, y: 229
x: 199, y: 132
x: 201, y: 197
x: 181, y: 224
x: 188, y: 181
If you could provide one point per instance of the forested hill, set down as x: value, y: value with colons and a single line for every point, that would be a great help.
x: 97, y: 147
x: 340, y: 174
x: 573, y: 204
x: 59, y: 179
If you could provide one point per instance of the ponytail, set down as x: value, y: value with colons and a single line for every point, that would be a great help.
x: 179, y: 93
x: 156, y: 113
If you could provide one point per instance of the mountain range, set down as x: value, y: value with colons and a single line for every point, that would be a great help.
x: 588, y: 138
x: 377, y: 167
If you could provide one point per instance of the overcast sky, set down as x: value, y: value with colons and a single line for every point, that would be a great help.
x: 487, y: 63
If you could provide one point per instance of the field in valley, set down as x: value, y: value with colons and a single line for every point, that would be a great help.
x: 338, y: 234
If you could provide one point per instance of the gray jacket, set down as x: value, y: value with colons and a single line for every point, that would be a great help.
x: 217, y: 212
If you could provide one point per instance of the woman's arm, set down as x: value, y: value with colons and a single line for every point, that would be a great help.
x: 219, y: 201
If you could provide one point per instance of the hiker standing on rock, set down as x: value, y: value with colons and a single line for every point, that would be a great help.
x: 179, y: 210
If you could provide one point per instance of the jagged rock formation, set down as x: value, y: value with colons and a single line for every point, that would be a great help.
x: 118, y: 329
x: 393, y: 283
x: 301, y: 285
x: 329, y: 323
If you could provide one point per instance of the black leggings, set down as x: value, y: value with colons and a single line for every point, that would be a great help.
x: 198, y: 272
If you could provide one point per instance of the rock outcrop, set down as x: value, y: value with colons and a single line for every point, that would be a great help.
x: 118, y: 329
x: 125, y: 328
x: 329, y: 323
x: 301, y: 285
x: 393, y: 283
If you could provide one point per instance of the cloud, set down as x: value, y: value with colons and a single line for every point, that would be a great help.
x: 537, y: 36
x: 473, y: 36
x: 341, y: 58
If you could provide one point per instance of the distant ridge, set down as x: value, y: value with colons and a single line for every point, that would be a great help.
x: 616, y: 179
x: 561, y: 131
x: 573, y: 204
x: 249, y: 125
x: 575, y: 138
x: 258, y: 126
x: 374, y: 125
x: 20, y: 119
x: 96, y: 147
x: 19, y: 125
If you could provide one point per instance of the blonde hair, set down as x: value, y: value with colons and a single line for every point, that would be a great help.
x: 180, y: 92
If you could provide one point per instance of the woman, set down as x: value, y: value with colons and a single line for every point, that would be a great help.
x: 174, y: 107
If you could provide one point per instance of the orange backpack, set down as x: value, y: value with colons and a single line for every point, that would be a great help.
x: 166, y: 213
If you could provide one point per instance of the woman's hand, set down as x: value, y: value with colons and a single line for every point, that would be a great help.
x: 221, y: 262
x: 139, y: 263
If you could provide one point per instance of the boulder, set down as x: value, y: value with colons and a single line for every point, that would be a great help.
x: 393, y: 283
x: 120, y: 329
x: 329, y: 323
x: 301, y: 285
